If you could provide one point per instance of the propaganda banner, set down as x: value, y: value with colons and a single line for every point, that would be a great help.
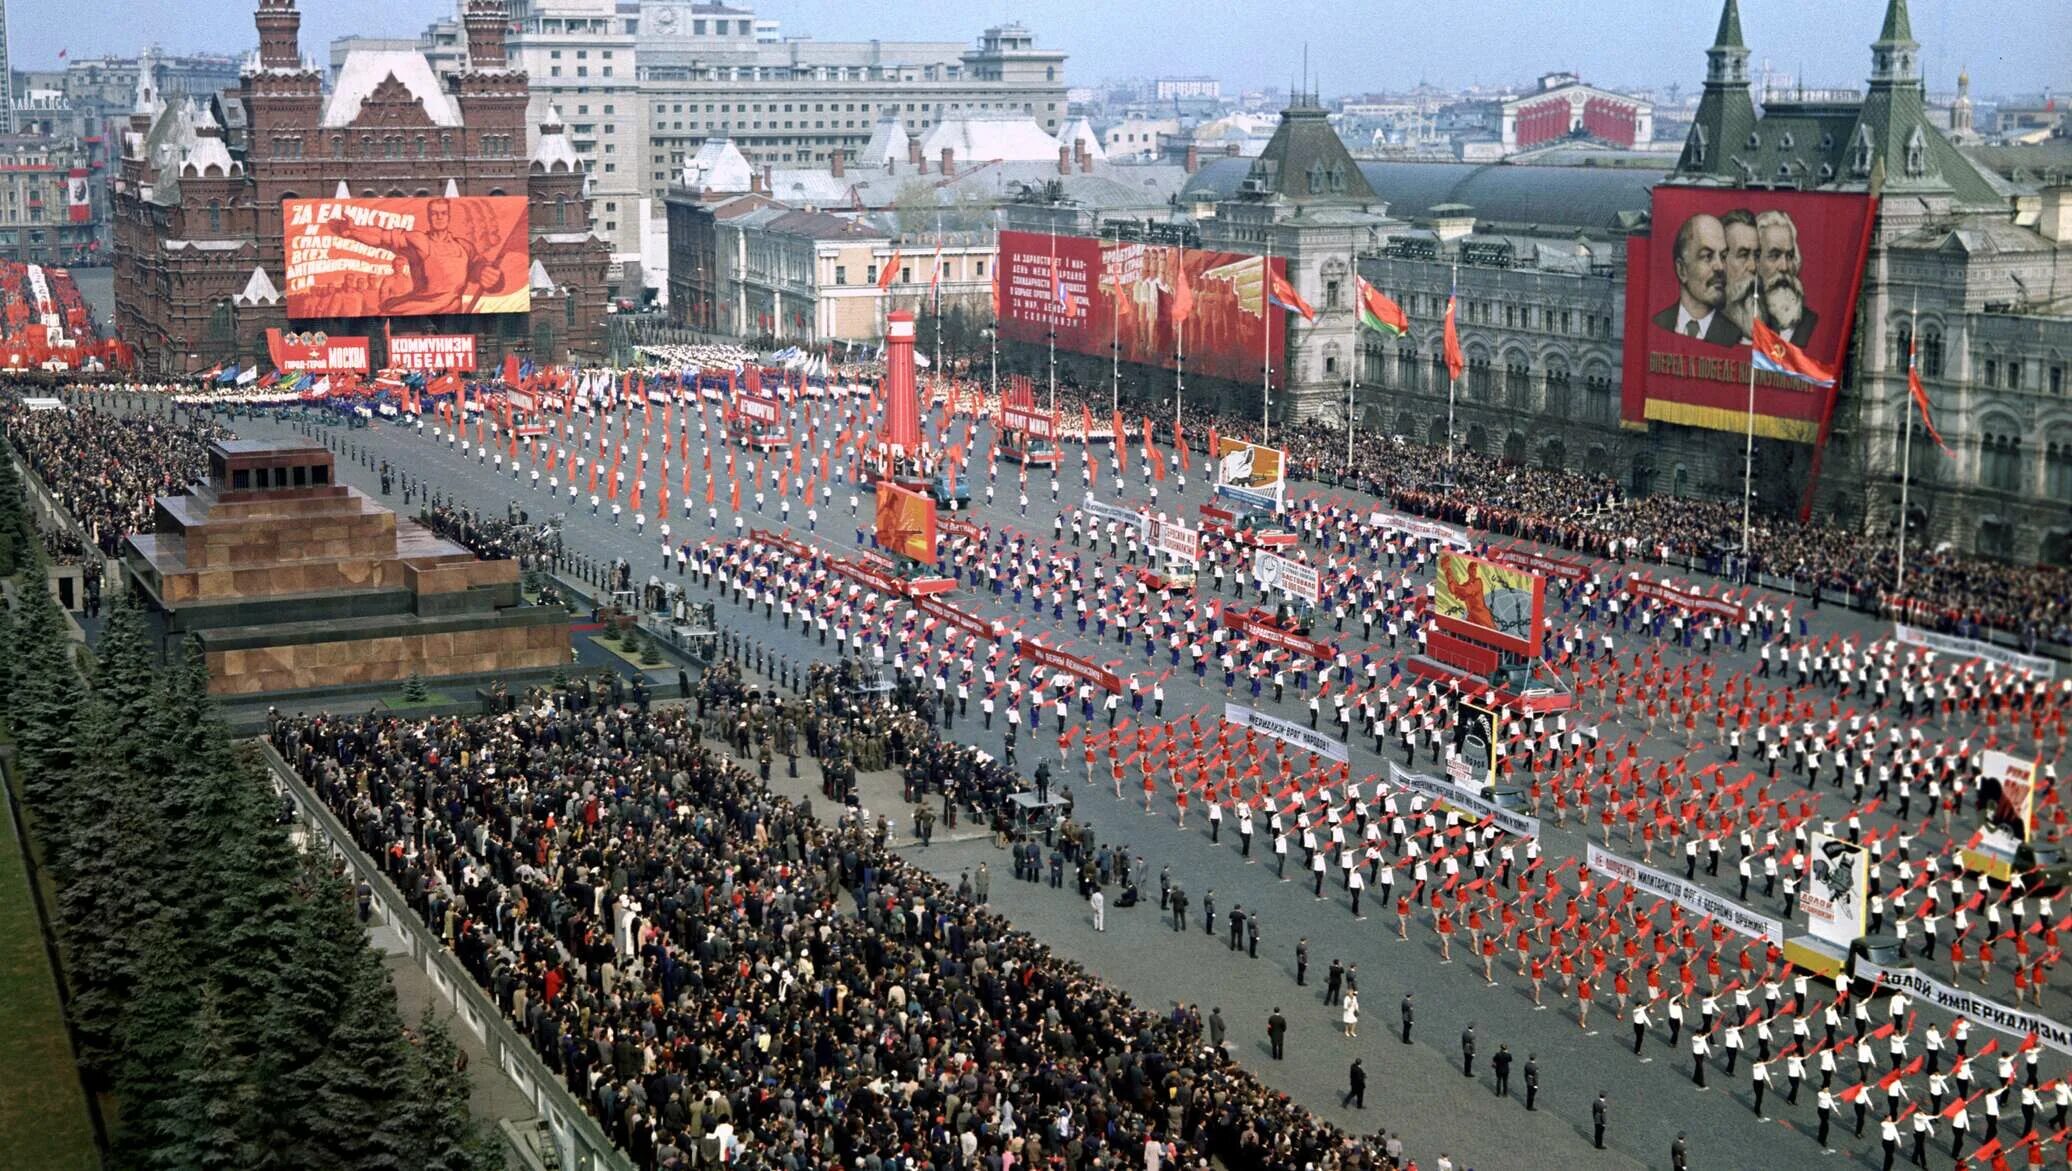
x: 1176, y: 540
x: 411, y: 257
x: 906, y: 522
x: 1499, y: 604
x: 864, y: 575
x: 1444, y: 791
x: 766, y: 537
x: 316, y: 353
x: 1071, y: 664
x: 1689, y: 601
x: 1926, y: 989
x: 1716, y: 261
x: 984, y: 628
x: 1246, y: 465
x: 1689, y: 895
x: 1132, y: 517
x: 2009, y: 784
x: 1972, y: 648
x: 1288, y: 575
x: 1030, y: 421
x: 1420, y: 528
x: 1836, y: 891
x: 1528, y: 560
x: 1290, y: 732
x: 1151, y: 302
x: 1264, y: 632
x: 1476, y: 748
x: 431, y: 351
x: 758, y: 408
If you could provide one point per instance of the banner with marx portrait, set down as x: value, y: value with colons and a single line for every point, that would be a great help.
x: 412, y: 257
x: 1715, y: 260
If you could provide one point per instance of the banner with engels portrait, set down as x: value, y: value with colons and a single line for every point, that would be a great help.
x: 1714, y: 262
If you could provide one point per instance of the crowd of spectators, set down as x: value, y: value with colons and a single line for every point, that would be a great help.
x: 106, y: 469
x: 720, y: 976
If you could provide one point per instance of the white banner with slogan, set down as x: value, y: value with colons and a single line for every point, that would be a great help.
x: 1127, y: 517
x: 1990, y: 1013
x: 1689, y: 895
x: 1287, y: 732
x: 1176, y: 540
x: 1443, y: 790
x: 1971, y: 648
x: 1291, y: 577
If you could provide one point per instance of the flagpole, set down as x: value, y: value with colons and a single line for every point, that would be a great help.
x: 1452, y: 382
x: 1057, y: 282
x: 1352, y: 374
x: 1748, y: 458
x: 1266, y: 343
x: 1906, y: 451
x: 1180, y: 369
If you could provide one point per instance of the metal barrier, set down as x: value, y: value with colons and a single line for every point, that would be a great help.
x: 581, y: 1144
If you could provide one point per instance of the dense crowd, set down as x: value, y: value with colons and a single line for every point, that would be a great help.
x: 722, y: 978
x: 106, y: 470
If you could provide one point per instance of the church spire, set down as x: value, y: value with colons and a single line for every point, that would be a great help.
x: 1726, y: 112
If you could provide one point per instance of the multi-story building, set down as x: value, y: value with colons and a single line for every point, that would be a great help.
x: 1175, y: 89
x: 49, y: 212
x: 1564, y: 106
x: 199, y: 216
x: 644, y: 85
x: 743, y: 263
x: 6, y: 74
x: 1968, y: 249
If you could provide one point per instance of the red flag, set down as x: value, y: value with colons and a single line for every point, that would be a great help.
x: 734, y: 495
x: 889, y: 273
x: 1455, y: 361
x: 1920, y: 394
x: 1180, y: 445
x: 1212, y: 445
x: 1182, y: 303
x: 1120, y: 436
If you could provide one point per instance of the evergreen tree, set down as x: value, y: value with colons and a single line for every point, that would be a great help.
x: 48, y: 697
x: 159, y: 1039
x: 15, y: 529
x: 450, y: 1139
x: 211, y: 1118
x: 365, y: 1078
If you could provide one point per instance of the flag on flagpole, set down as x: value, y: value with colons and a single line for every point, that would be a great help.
x: 1455, y: 361
x: 1773, y: 354
x: 1379, y: 312
x: 1282, y: 295
x: 889, y: 273
x: 1181, y: 305
x: 1920, y: 394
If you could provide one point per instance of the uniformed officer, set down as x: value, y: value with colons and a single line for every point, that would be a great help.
x: 1532, y: 1080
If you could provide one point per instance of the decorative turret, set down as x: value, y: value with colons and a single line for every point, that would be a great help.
x: 280, y: 34
x: 1726, y: 111
x: 1896, y: 55
x: 486, y: 21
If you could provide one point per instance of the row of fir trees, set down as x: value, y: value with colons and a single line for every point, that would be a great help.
x: 224, y: 999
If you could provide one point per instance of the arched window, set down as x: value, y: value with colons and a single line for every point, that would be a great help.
x: 215, y: 215
x: 2057, y: 468
x: 561, y: 212
x: 1902, y: 343
x: 1600, y: 405
x: 2000, y: 458
x: 1558, y: 389
x: 1409, y: 371
x: 1481, y: 379
x: 1931, y: 356
x: 1517, y: 380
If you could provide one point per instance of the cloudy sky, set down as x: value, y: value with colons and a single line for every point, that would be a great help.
x: 1354, y: 45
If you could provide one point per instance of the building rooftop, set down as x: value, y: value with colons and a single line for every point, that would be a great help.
x: 1593, y: 198
x: 366, y: 69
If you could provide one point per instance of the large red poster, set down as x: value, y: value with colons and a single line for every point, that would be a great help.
x: 1714, y: 261
x: 1108, y: 293
x: 406, y: 257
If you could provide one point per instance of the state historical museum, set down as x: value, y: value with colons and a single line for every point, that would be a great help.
x: 397, y: 201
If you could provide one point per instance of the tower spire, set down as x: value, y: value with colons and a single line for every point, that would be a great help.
x: 1896, y: 55
x: 1729, y: 34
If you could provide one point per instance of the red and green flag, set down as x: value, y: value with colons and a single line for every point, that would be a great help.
x: 1378, y: 312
